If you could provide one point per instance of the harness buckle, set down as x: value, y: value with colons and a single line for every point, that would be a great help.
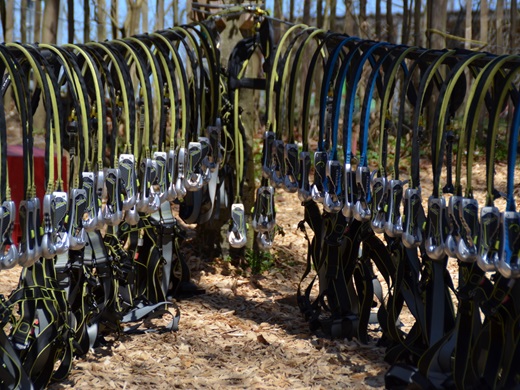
x: 412, y: 232
x: 206, y: 164
x: 113, y: 212
x: 278, y: 171
x: 129, y: 180
x: 180, y: 187
x: 350, y: 201
x: 170, y: 175
x: 379, y: 195
x: 394, y: 221
x: 77, y: 217
x: 267, y: 154
x: 90, y: 220
x: 435, y: 228
x: 320, y: 172
x: 332, y: 201
x: 55, y: 239
x: 304, y: 192
x: 265, y: 240
x: 264, y: 213
x: 8, y: 251
x: 161, y: 177
x: 29, y: 250
x: 454, y: 223
x: 361, y: 210
x: 214, y: 134
x: 466, y: 248
x: 292, y: 167
x: 489, y: 243
x: 508, y: 264
x: 237, y: 234
x: 194, y: 177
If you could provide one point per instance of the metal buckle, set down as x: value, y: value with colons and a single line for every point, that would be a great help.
x: 237, y: 235
x: 361, y: 210
x: 90, y: 220
x: 113, y: 212
x: 77, y: 218
x: 468, y: 213
x: 394, y: 222
x: 508, y: 264
x: 29, y: 250
x: 278, y: 171
x: 292, y: 167
x: 161, y: 178
x: 348, y: 207
x: 8, y: 251
x: 194, y: 177
x: 265, y: 240
x: 435, y: 225
x: 489, y: 243
x: 379, y: 194
x: 170, y: 175
x: 206, y: 164
x: 304, y: 191
x: 412, y: 232
x: 320, y: 172
x: 214, y: 136
x: 332, y: 201
x: 148, y: 202
x: 180, y: 187
x: 264, y: 213
x: 267, y: 155
x: 129, y: 180
x: 55, y: 238
x: 453, y: 219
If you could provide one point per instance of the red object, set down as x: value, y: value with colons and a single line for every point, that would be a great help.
x: 16, y: 178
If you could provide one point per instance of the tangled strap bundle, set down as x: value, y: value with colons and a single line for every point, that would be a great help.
x: 154, y: 119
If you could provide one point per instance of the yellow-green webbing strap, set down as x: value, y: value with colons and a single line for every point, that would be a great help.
x: 273, y: 76
x: 183, y: 88
x: 99, y: 103
x: 486, y: 77
x: 122, y: 82
x: 20, y: 98
x: 43, y: 80
x: 155, y: 80
x: 444, y: 109
x: 296, y: 68
x: 144, y: 83
x: 384, y: 104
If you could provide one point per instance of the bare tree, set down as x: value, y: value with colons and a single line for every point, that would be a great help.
x: 131, y: 24
x: 291, y: 10
x: 307, y: 12
x: 159, y: 15
x: 144, y: 18
x: 405, y: 35
x: 333, y: 6
x: 484, y: 18
x: 37, y: 21
x: 499, y: 20
x: 468, y: 31
x: 50, y: 21
x: 101, y: 20
x: 389, y: 22
x: 417, y: 36
x: 86, y: 20
x: 378, y: 19
x: 23, y: 20
x: 114, y: 18
x: 436, y: 23
x: 9, y: 22
x: 278, y: 14
x: 514, y: 17
x: 319, y: 12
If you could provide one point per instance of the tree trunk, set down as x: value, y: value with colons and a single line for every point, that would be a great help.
x: 9, y: 21
x: 159, y: 16
x: 23, y: 21
x: 101, y: 20
x: 417, y: 35
x: 499, y: 20
x: 362, y: 25
x: 131, y: 24
x: 514, y: 17
x: 378, y: 19
x: 405, y: 36
x: 86, y: 21
x: 37, y: 21
x: 469, y: 18
x: 307, y: 12
x: 484, y: 18
x: 114, y: 19
x: 144, y: 21
x: 291, y: 11
x: 436, y: 20
x: 50, y: 21
x: 333, y: 4
x: 389, y: 22
x: 278, y: 14
x: 319, y: 12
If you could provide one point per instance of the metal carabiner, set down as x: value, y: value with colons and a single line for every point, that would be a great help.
x: 435, y: 228
x: 412, y: 232
x: 489, y: 246
x: 264, y: 214
x: 29, y: 251
x: 171, y: 163
x: 467, y: 245
x: 129, y: 180
x: 304, y: 188
x: 320, y: 176
x: 113, y: 211
x: 348, y: 207
x: 77, y: 212
x: 453, y: 220
x: 237, y: 234
x: 332, y: 200
x: 292, y: 167
x: 180, y: 186
x: 508, y: 264
x: 267, y: 155
x: 278, y: 171
x: 379, y: 195
x: 90, y: 220
x: 362, y: 210
x: 194, y: 178
x: 9, y: 256
x: 159, y: 187
x: 394, y: 222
